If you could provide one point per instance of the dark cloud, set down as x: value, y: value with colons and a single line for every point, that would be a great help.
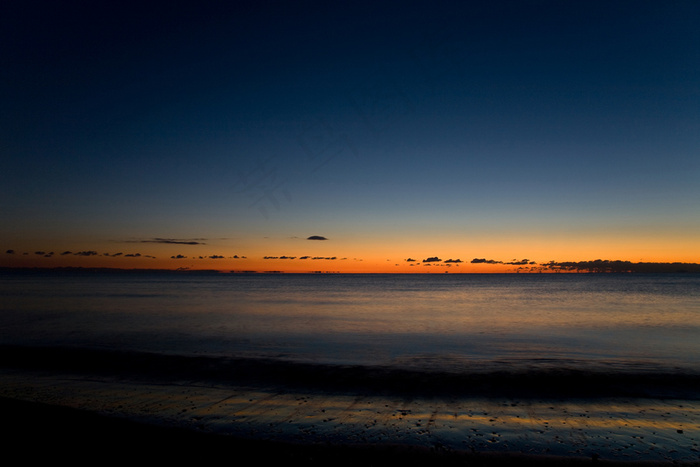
x: 486, y: 261
x: 316, y: 237
x: 10, y: 252
x: 324, y: 257
x: 117, y: 254
x: 216, y: 257
x: 173, y: 241
x: 603, y: 266
x: 410, y: 260
x: 85, y: 253
x: 432, y: 259
x: 44, y: 254
x: 520, y: 262
x: 304, y: 257
x: 453, y: 260
x: 175, y: 257
x: 133, y: 255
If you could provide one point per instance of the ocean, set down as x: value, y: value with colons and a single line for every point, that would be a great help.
x: 422, y: 322
x: 576, y: 365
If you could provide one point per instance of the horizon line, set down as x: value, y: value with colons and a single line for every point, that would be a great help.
x: 6, y: 269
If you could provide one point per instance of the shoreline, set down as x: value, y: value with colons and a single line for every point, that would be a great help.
x: 62, y: 432
x: 65, y: 411
x: 545, y: 379
x: 67, y: 433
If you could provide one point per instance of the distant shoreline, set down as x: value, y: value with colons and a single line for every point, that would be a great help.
x: 649, y: 268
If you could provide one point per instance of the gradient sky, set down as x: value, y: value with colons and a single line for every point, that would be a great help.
x: 213, y: 135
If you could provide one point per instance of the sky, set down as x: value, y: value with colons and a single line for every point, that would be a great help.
x: 482, y: 136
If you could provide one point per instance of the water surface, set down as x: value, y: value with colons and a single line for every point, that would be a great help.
x: 625, y: 322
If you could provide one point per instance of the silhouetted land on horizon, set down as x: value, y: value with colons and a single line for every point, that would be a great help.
x: 569, y: 267
x: 607, y: 266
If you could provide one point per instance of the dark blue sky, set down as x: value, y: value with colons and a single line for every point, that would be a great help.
x: 519, y: 124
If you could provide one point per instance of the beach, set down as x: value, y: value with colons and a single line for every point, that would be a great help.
x: 368, y: 369
x: 283, y: 412
x: 350, y: 233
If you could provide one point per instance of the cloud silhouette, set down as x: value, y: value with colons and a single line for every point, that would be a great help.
x: 85, y: 253
x: 410, y: 260
x: 171, y: 241
x: 485, y: 261
x: 316, y: 237
x: 175, y: 257
x: 453, y: 260
x: 10, y: 252
x: 216, y: 257
x: 432, y: 259
x: 619, y: 266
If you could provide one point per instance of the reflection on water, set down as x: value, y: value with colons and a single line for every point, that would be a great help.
x: 408, y: 320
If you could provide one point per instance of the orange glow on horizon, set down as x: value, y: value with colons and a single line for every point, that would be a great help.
x: 505, y: 252
x: 288, y: 264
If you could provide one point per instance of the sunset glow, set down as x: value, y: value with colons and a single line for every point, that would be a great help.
x: 224, y: 138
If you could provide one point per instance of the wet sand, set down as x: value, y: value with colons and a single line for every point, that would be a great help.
x: 185, y: 418
x: 45, y: 433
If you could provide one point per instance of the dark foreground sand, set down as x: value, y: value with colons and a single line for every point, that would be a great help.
x: 128, y: 410
x: 45, y: 433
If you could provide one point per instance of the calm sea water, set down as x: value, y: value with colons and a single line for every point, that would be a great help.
x: 450, y: 322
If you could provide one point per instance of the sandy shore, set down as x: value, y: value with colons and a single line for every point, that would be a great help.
x: 198, y: 418
x: 46, y: 433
